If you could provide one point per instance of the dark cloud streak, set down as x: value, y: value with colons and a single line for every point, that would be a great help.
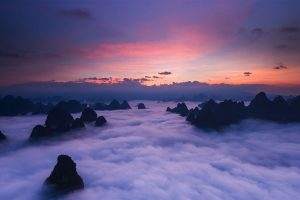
x: 165, y: 73
x: 247, y: 73
x: 76, y: 13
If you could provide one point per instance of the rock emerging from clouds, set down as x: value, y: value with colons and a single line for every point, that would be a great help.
x: 2, y: 136
x: 40, y: 131
x: 141, y: 106
x: 125, y: 105
x: 64, y: 177
x: 88, y: 115
x: 100, y: 121
x: 181, y: 109
x: 215, y: 116
x: 78, y: 123
x: 113, y: 105
x: 59, y: 120
x: 218, y: 115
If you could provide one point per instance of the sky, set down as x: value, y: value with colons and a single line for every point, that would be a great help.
x: 152, y: 42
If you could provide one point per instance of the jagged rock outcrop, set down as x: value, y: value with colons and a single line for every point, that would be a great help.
x: 64, y: 177
x: 141, y: 106
x: 192, y: 114
x: 59, y: 120
x: 125, y: 105
x: 100, y: 121
x: 218, y: 115
x: 181, y: 109
x: 40, y: 131
x: 113, y: 105
x: 260, y: 106
x: 88, y: 115
x: 277, y: 110
x: 2, y: 136
x: 78, y: 123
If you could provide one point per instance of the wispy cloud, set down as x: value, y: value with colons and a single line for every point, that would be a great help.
x: 280, y: 66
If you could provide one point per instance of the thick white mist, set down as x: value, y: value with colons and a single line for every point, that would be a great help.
x: 151, y: 154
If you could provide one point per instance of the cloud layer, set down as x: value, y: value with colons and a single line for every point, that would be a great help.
x: 151, y: 154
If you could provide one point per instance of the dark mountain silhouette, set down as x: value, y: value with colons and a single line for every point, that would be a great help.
x: 114, y: 105
x: 181, y: 109
x: 71, y: 106
x: 218, y: 115
x: 88, y: 115
x: 13, y: 106
x: 133, y: 90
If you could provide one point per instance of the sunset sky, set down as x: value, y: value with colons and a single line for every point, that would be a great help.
x: 151, y: 41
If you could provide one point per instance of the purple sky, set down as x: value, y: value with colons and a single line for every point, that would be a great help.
x: 213, y: 41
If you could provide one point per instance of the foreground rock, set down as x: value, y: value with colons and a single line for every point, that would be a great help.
x: 114, y: 105
x: 141, y: 106
x: 181, y: 109
x: 100, y: 121
x: 88, y: 115
x: 64, y: 177
x: 59, y: 120
x: 2, y: 136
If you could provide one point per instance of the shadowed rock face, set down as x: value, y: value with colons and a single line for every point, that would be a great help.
x: 260, y: 106
x: 100, y: 121
x: 12, y: 106
x: 42, y: 109
x: 217, y: 115
x: 141, y: 106
x: 78, y: 123
x: 125, y: 105
x: 181, y: 109
x: 40, y: 131
x: 71, y: 106
x: 2, y: 136
x: 114, y: 105
x: 59, y: 120
x: 88, y: 115
x: 64, y: 177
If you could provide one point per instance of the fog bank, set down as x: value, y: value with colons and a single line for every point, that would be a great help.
x: 152, y: 154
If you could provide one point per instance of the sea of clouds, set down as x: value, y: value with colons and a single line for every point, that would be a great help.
x: 152, y: 154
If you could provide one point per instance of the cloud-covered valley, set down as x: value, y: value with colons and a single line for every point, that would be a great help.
x: 152, y: 154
